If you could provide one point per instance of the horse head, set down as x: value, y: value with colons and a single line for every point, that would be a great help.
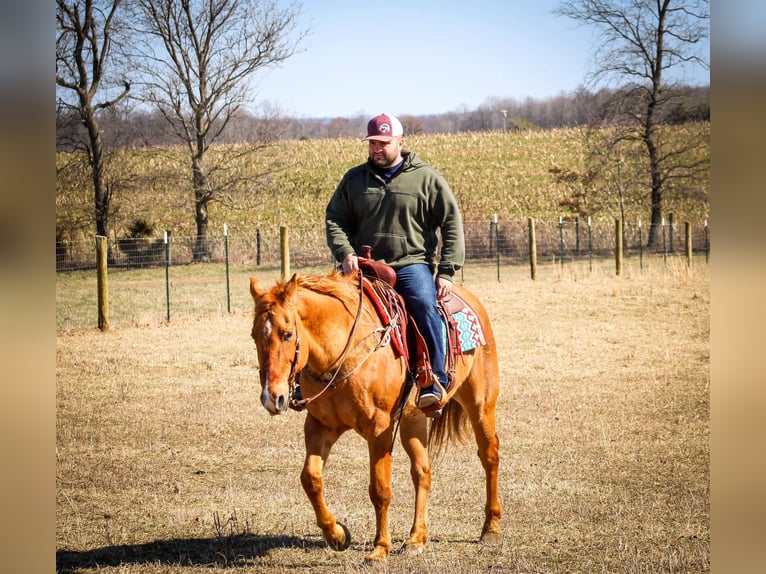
x: 275, y: 332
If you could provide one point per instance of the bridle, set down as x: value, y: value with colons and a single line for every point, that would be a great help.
x: 330, y: 377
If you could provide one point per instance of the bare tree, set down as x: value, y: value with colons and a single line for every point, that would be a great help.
x: 196, y: 57
x: 84, y: 37
x: 641, y: 42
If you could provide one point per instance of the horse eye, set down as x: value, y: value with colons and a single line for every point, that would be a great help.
x: 288, y: 336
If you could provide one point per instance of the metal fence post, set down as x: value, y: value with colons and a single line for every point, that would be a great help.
x: 688, y: 230
x: 226, y: 255
x: 707, y: 244
x: 577, y: 236
x: 590, y: 245
x: 561, y: 240
x: 497, y: 245
x: 167, y: 273
x: 618, y: 245
x: 258, y: 247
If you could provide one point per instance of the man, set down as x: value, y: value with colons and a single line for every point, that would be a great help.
x: 399, y: 205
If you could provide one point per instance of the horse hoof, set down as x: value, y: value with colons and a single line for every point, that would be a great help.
x: 376, y: 556
x: 341, y: 546
x: 492, y: 537
x: 413, y: 549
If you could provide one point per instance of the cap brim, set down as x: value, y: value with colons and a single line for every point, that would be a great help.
x: 379, y: 138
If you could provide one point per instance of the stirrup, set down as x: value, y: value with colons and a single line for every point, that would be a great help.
x: 438, y: 405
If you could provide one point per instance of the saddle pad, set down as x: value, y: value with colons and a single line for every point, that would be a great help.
x: 469, y: 329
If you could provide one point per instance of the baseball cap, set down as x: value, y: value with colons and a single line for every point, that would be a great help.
x: 384, y: 127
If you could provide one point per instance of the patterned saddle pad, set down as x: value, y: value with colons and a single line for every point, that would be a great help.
x: 469, y: 330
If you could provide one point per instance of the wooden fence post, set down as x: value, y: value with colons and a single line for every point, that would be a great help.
x: 103, y: 288
x: 284, y: 250
x: 618, y: 245
x: 532, y: 249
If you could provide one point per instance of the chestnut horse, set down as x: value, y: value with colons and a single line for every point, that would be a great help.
x: 304, y: 328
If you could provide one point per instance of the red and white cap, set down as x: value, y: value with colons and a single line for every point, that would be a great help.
x: 384, y: 127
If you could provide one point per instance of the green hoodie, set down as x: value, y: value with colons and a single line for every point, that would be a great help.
x: 401, y: 220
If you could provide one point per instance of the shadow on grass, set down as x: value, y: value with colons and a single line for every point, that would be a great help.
x: 230, y: 551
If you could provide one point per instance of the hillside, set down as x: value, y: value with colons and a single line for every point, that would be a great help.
x: 490, y: 172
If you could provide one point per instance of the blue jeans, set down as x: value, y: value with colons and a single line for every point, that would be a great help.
x: 416, y: 285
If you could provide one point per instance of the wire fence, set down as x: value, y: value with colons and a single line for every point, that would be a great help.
x: 152, y: 280
x: 504, y: 240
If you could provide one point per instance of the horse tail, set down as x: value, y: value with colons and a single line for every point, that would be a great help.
x: 450, y: 427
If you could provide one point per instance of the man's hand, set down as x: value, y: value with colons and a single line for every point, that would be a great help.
x: 443, y: 287
x: 350, y: 263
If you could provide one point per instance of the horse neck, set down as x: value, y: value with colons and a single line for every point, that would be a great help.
x: 326, y: 324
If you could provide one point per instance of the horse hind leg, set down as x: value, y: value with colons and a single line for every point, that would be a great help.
x: 488, y: 445
x: 491, y: 532
x: 480, y: 409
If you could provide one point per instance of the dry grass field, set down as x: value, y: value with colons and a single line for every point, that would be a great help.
x: 166, y: 462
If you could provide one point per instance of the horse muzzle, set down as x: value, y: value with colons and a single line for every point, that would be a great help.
x: 275, y: 403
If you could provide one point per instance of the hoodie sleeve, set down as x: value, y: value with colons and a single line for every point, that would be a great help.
x: 450, y: 223
x: 338, y: 222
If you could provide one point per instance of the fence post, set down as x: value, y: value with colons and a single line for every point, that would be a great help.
x: 577, y: 236
x: 532, y: 249
x: 688, y: 229
x: 671, y: 233
x: 284, y: 250
x: 258, y: 247
x: 561, y: 240
x: 590, y: 245
x: 226, y: 255
x: 707, y: 244
x: 102, y: 284
x: 491, y: 239
x: 497, y: 244
x: 167, y: 274
x: 618, y: 245
x: 640, y: 246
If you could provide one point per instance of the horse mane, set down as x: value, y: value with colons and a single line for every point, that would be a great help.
x: 333, y: 284
x: 344, y: 288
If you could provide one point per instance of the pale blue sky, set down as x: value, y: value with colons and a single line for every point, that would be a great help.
x: 428, y: 56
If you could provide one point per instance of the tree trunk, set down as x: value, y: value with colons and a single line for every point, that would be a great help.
x: 96, y: 150
x: 650, y: 127
x: 656, y: 192
x: 201, y: 251
x: 102, y: 194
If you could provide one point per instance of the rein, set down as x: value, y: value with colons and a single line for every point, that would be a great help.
x: 295, y: 373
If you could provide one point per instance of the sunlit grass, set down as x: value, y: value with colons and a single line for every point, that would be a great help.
x: 167, y: 463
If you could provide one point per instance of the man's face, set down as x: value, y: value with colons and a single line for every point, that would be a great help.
x: 385, y: 154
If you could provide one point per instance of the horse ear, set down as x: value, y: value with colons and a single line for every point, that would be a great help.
x: 255, y: 289
x: 291, y: 288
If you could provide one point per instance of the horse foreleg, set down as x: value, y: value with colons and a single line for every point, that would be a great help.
x: 319, y: 440
x: 414, y: 435
x: 380, y: 491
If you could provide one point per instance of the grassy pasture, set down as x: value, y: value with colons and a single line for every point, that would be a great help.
x: 167, y: 463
